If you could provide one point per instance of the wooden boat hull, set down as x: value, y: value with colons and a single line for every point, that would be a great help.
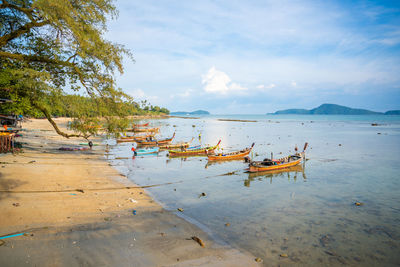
x: 277, y: 172
x: 231, y: 156
x: 194, y: 152
x: 155, y: 142
x: 146, y: 151
x: 142, y: 136
x: 228, y: 157
x: 141, y: 125
x: 202, y: 152
x: 126, y: 140
x: 145, y: 130
x: 258, y: 167
x: 134, y: 138
x: 178, y: 145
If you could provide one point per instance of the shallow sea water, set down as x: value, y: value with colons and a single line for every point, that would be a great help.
x: 308, y: 212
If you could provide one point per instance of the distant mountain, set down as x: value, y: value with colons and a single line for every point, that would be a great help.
x: 392, y: 112
x: 293, y: 111
x: 197, y: 112
x: 330, y: 109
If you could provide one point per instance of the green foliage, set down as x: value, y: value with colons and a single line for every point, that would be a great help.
x: 47, y: 46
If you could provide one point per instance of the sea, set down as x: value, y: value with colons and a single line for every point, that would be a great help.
x: 340, y: 207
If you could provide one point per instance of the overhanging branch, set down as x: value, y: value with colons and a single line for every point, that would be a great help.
x: 54, y: 124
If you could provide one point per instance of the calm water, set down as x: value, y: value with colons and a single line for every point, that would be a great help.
x: 307, y: 213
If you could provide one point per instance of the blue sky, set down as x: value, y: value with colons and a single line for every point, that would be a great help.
x: 255, y: 57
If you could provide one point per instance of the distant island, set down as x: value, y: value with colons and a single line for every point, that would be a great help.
x: 196, y: 112
x: 333, y: 109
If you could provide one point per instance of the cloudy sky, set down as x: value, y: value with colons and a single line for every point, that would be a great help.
x: 253, y: 57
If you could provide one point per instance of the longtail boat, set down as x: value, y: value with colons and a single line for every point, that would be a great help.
x: 274, y: 173
x: 140, y: 125
x: 231, y: 156
x: 200, y: 151
x: 146, y: 151
x: 180, y: 145
x: 145, y: 130
x: 155, y: 142
x: 135, y: 138
x: 276, y: 164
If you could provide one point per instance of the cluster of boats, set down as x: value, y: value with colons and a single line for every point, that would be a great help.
x: 146, y: 142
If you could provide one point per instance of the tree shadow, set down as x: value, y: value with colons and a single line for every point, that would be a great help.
x: 8, y: 185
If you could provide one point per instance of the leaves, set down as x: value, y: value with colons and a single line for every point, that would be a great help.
x: 50, y: 47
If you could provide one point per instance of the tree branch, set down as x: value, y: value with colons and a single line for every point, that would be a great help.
x: 35, y: 58
x: 54, y: 124
x: 27, y: 11
x: 20, y: 31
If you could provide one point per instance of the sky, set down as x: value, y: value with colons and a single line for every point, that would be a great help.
x: 255, y: 57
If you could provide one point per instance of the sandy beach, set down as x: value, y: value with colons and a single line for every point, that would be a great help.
x: 77, y: 210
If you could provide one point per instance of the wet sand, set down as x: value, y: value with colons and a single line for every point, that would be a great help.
x: 76, y: 210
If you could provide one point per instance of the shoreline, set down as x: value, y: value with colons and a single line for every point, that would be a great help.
x: 72, y: 213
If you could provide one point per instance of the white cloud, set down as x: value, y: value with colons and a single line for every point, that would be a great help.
x: 216, y: 81
x: 138, y: 93
x: 187, y: 93
x: 262, y: 86
x: 294, y: 84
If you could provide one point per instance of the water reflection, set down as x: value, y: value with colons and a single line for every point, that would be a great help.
x: 211, y: 163
x: 290, y: 173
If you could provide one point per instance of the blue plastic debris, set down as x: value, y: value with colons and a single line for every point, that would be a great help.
x: 134, y: 212
x: 7, y: 236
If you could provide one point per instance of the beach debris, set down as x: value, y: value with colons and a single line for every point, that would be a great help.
x: 72, y: 194
x: 340, y: 144
x: 358, y: 203
x: 198, y: 240
x: 258, y: 259
x: 132, y: 200
x: 374, y: 124
x: 325, y: 240
x: 193, y: 125
x: 180, y: 209
x: 134, y: 212
x: 13, y: 235
x: 107, y: 219
x: 227, y: 224
x: 2, y: 242
x: 330, y: 253
x: 32, y: 161
x: 16, y: 204
x: 80, y: 190
x: 203, y: 194
x: 283, y: 255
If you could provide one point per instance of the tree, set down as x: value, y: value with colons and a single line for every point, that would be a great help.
x: 48, y: 47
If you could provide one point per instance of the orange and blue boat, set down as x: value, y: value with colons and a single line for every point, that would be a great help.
x: 277, y: 164
x: 193, y: 151
x: 232, y: 155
